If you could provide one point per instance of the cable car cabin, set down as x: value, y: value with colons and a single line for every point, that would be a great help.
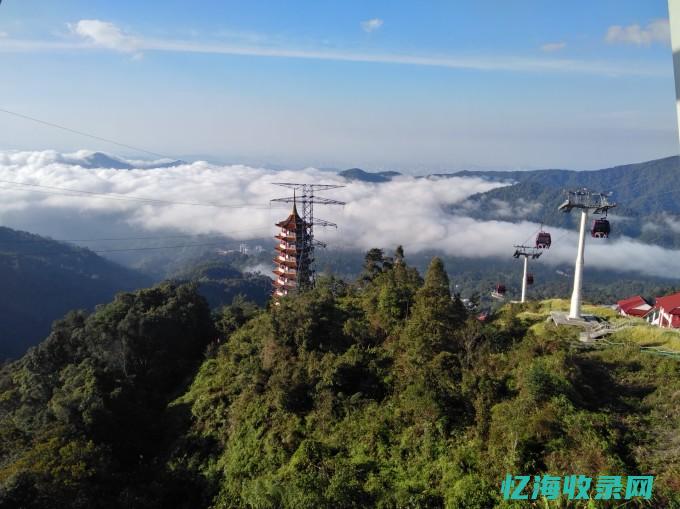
x: 543, y: 240
x: 499, y: 292
x: 530, y: 279
x: 601, y: 229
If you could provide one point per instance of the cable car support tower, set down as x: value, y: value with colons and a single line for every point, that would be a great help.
x: 527, y: 252
x: 587, y: 201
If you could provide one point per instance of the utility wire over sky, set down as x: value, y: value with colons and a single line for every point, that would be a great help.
x: 574, y: 91
x: 82, y: 133
x: 71, y: 192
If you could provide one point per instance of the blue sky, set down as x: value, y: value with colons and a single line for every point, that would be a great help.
x: 414, y: 86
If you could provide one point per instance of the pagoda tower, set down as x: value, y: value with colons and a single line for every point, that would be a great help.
x: 293, y: 259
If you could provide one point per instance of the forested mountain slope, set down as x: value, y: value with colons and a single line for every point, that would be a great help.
x: 42, y: 279
x: 380, y: 393
x: 648, y: 195
x: 220, y: 281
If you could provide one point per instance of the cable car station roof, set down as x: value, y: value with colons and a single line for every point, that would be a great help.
x: 586, y: 199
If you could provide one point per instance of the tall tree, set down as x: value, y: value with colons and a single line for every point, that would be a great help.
x: 373, y: 263
x: 435, y: 317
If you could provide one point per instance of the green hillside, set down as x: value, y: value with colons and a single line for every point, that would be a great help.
x: 477, y: 277
x: 219, y: 281
x: 42, y: 280
x: 648, y: 195
x: 380, y: 393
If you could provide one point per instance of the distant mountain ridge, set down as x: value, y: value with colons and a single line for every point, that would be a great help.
x: 647, y: 194
x: 42, y: 279
x: 365, y: 176
x: 618, y: 177
x: 98, y: 160
x: 219, y: 281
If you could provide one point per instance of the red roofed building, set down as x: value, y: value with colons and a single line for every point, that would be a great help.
x: 633, y: 306
x: 666, y: 312
x: 292, y: 257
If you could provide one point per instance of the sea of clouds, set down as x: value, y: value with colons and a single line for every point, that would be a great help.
x: 409, y: 211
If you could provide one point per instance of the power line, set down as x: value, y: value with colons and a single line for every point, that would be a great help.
x: 119, y: 250
x: 298, y: 236
x: 122, y: 197
x: 99, y: 251
x: 110, y: 239
x: 81, y: 133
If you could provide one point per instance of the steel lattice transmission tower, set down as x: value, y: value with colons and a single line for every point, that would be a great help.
x: 587, y: 201
x: 527, y: 252
x: 304, y: 196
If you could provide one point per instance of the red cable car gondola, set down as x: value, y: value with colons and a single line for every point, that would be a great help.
x: 543, y: 240
x: 530, y: 279
x: 499, y: 292
x: 601, y: 229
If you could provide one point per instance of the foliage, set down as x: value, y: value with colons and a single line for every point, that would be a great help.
x: 43, y: 279
x: 645, y: 192
x: 220, y: 281
x: 381, y: 393
x: 83, y: 414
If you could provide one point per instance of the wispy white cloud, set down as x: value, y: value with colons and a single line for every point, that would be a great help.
x: 658, y: 31
x: 519, y: 209
x: 95, y: 34
x: 107, y: 35
x: 552, y: 47
x: 370, y: 218
x: 371, y: 25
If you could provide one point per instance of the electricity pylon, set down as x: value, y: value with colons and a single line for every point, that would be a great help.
x: 304, y: 195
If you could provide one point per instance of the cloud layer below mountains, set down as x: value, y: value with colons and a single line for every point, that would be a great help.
x: 407, y: 211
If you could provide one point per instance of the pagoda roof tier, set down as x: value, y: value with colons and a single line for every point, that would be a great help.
x: 285, y: 275
x: 293, y: 222
x: 287, y: 270
x: 289, y: 231
x: 292, y: 264
x: 287, y: 250
x: 288, y: 286
x: 287, y: 238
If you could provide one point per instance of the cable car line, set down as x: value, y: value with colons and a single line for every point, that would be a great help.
x: 81, y: 133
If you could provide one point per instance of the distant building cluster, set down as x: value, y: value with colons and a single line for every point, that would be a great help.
x: 664, y: 313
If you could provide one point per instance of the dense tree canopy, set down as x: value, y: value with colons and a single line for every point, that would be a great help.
x: 381, y: 393
x: 82, y: 415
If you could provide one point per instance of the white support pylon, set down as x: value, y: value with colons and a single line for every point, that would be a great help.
x: 575, y: 309
x: 674, y: 16
x: 524, y: 279
x: 526, y: 252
